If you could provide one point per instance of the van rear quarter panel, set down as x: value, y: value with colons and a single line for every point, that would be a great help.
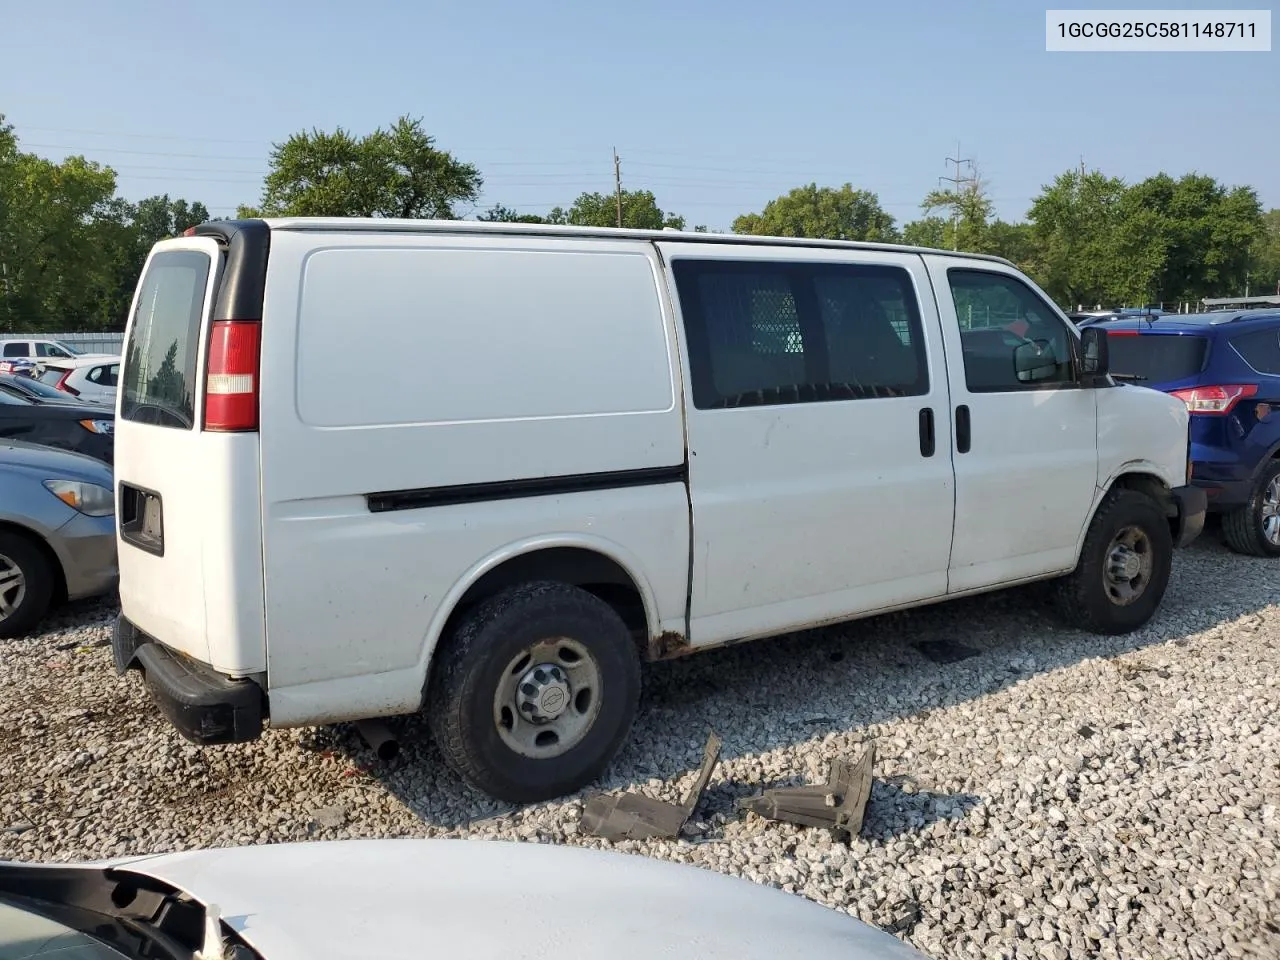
x: 396, y: 362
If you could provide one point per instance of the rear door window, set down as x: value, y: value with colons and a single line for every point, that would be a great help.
x: 15, y: 349
x: 161, y: 352
x: 1157, y: 358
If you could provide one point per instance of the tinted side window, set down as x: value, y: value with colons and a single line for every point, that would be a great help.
x: 95, y: 374
x: 1260, y: 349
x: 765, y: 333
x: 1011, y: 339
x: 111, y: 375
x: 15, y: 349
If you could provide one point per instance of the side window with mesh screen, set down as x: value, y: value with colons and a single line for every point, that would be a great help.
x: 763, y: 333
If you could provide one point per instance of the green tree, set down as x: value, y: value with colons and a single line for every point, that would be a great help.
x: 926, y: 232
x: 1204, y: 229
x: 1264, y: 273
x: 1013, y: 241
x: 500, y: 214
x: 821, y: 212
x: 397, y: 172
x: 640, y: 211
x: 1085, y: 250
x: 970, y: 210
x: 60, y: 230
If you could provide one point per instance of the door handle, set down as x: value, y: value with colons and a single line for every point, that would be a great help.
x: 927, y: 439
x: 962, y: 429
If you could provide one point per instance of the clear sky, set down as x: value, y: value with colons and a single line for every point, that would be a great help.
x: 715, y: 106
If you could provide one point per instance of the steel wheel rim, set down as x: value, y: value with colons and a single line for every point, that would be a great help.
x: 547, y: 698
x: 1270, y: 519
x: 1128, y: 565
x: 13, y: 587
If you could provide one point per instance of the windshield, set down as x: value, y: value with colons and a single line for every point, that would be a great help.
x: 1157, y: 358
x: 68, y: 347
x: 28, y: 936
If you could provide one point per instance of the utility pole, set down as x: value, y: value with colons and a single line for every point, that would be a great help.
x: 1082, y: 166
x: 617, y: 184
x: 956, y: 181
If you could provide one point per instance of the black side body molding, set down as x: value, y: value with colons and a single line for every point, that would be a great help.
x: 531, y: 487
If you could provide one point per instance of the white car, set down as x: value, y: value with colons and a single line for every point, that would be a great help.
x: 41, y: 349
x: 87, y: 379
x: 612, y: 447
x: 408, y: 899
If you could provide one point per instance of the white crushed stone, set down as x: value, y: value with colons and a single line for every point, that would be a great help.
x: 1057, y: 795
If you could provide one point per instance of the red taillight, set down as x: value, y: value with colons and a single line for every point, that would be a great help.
x: 1216, y: 400
x: 66, y: 387
x: 189, y: 232
x: 231, y: 385
x: 1122, y: 333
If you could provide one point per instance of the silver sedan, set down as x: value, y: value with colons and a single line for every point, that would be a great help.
x: 57, y: 531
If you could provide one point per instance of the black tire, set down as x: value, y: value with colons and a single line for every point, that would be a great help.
x: 1242, y: 528
x: 1082, y: 597
x: 470, y: 664
x: 37, y: 576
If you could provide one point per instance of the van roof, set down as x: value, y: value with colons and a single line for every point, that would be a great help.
x: 391, y: 225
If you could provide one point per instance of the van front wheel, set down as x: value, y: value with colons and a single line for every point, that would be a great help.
x: 534, y: 693
x: 1123, y: 569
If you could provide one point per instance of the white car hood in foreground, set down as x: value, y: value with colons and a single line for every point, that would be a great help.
x: 475, y: 900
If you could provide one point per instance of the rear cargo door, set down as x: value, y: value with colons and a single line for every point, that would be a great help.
x: 171, y: 477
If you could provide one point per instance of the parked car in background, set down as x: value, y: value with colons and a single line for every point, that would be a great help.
x: 42, y: 348
x: 405, y: 899
x: 57, y: 531
x: 637, y: 446
x: 83, y: 427
x: 21, y: 367
x: 32, y: 387
x: 88, y: 379
x: 1225, y: 366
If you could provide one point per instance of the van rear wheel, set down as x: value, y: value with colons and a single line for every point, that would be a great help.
x: 1123, y: 569
x: 535, y: 692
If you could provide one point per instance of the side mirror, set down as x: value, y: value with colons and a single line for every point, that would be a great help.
x: 1034, y: 360
x: 1096, y: 353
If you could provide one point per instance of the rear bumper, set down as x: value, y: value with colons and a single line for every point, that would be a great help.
x: 1226, y: 494
x: 205, y: 706
x: 1192, y: 503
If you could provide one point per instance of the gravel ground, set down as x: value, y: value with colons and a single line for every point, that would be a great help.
x: 1052, y: 795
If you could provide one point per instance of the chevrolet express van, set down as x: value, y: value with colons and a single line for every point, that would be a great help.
x: 595, y: 448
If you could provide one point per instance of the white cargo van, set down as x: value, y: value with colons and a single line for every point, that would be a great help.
x: 603, y: 447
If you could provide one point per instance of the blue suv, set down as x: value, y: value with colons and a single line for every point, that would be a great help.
x: 1225, y: 367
